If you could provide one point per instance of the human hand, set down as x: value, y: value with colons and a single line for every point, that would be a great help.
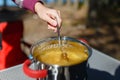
x: 51, y: 16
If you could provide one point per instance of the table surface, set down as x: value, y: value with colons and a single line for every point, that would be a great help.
x: 101, y: 67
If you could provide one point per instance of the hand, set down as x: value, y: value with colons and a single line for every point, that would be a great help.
x: 51, y: 16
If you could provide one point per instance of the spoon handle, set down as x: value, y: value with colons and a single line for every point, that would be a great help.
x: 58, y: 33
x: 59, y: 37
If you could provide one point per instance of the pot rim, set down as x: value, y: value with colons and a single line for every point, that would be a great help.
x: 63, y: 38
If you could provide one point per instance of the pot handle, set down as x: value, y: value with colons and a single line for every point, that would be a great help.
x: 33, y: 73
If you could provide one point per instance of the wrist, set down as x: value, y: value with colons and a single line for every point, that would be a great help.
x: 39, y: 7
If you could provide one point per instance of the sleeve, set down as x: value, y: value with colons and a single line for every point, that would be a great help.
x: 27, y: 4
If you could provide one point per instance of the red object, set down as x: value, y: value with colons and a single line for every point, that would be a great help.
x: 11, y: 53
x: 33, y: 73
x: 83, y: 40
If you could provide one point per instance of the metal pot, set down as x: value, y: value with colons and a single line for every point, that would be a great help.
x: 49, y: 68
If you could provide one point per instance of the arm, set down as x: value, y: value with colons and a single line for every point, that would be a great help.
x: 51, y: 16
x: 27, y: 4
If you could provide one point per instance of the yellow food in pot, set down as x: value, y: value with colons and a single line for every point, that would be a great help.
x: 70, y: 53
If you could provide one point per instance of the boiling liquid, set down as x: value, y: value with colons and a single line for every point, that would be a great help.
x: 69, y: 54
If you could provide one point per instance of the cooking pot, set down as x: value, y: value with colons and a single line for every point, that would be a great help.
x: 58, y: 61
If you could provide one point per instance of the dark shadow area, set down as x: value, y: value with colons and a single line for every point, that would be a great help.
x: 11, y: 13
x: 94, y: 74
x: 117, y: 74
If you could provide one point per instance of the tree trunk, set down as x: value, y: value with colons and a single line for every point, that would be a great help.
x: 59, y: 2
x: 76, y: 4
x: 68, y: 2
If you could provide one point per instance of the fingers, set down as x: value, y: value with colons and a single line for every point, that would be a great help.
x: 51, y: 16
x: 54, y: 20
x: 51, y: 21
x: 52, y: 28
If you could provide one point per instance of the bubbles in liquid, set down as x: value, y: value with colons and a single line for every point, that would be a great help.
x: 68, y: 54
